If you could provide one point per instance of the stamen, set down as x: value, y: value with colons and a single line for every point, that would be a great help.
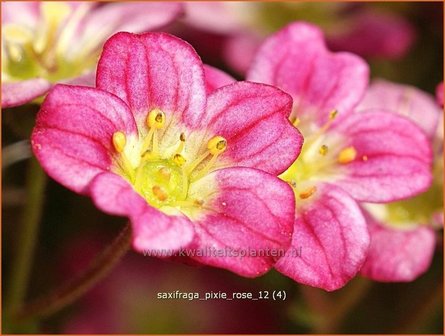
x: 119, y: 141
x: 347, y: 155
x: 159, y: 193
x: 296, y: 122
x: 333, y: 114
x: 156, y: 119
x: 308, y: 192
x: 217, y: 145
x: 323, y: 150
x: 181, y: 143
x: 179, y: 160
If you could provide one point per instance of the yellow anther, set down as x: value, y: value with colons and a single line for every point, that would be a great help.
x: 308, y: 192
x: 347, y: 155
x: 179, y: 160
x: 159, y: 193
x: 156, y: 119
x: 17, y: 34
x: 365, y: 158
x: 119, y: 141
x: 198, y: 202
x: 333, y: 114
x: 296, y: 122
x: 217, y: 145
x: 165, y: 173
x: 323, y: 150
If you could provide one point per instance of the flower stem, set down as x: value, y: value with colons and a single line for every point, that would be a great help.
x: 71, y: 291
x: 21, y: 266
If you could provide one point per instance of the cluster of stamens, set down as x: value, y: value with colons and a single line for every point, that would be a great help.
x: 316, y: 159
x: 163, y: 176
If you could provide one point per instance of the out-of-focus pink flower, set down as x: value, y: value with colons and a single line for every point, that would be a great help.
x: 374, y: 34
x: 149, y: 143
x: 48, y: 42
x: 364, y: 31
x: 402, y: 233
x: 346, y: 157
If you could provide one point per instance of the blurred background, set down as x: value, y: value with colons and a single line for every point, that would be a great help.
x: 403, y: 42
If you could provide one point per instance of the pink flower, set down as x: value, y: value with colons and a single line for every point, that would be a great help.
x: 357, y: 28
x: 347, y: 157
x: 150, y: 144
x: 49, y: 42
x: 375, y: 34
x: 402, y: 233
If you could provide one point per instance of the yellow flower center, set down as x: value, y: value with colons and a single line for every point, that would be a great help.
x: 163, y: 174
x: 320, y: 159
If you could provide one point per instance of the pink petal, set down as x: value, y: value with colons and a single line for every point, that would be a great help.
x: 373, y: 34
x: 87, y: 79
x: 152, y: 229
x: 393, y: 158
x: 134, y: 17
x: 439, y: 94
x: 398, y: 255
x: 73, y: 132
x: 331, y: 234
x: 154, y: 70
x: 405, y: 100
x: 253, y: 211
x: 254, y: 120
x: 212, y: 16
x: 20, y: 12
x: 240, y: 49
x: 216, y: 78
x: 20, y: 93
x: 296, y: 60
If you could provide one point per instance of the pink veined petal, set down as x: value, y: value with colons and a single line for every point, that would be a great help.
x: 154, y: 70
x: 152, y: 229
x: 439, y: 94
x: 72, y: 138
x: 393, y: 160
x: 373, y: 34
x: 25, y: 13
x: 296, y: 60
x: 20, y: 93
x: 331, y: 234
x: 398, y: 255
x: 251, y: 214
x: 216, y: 78
x: 254, y: 119
x: 405, y: 100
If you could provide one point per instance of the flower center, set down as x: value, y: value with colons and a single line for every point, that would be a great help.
x: 38, y: 53
x: 162, y: 175
x: 320, y: 157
